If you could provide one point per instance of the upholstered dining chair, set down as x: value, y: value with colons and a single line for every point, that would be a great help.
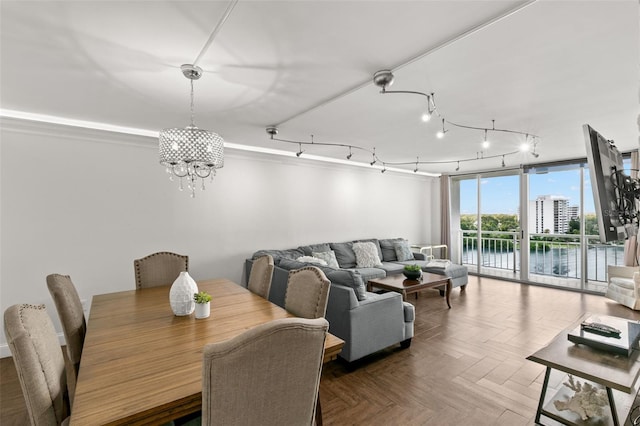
x: 307, y: 293
x: 261, y: 275
x: 269, y: 375
x: 71, y: 316
x: 39, y: 362
x: 160, y: 268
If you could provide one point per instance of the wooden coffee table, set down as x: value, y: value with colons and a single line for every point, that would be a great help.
x: 400, y: 284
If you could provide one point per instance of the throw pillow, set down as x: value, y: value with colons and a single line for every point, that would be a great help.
x: 312, y: 259
x: 349, y: 278
x: 388, y: 252
x: 344, y: 254
x: 329, y: 257
x: 403, y: 252
x: 308, y: 250
x: 366, y: 255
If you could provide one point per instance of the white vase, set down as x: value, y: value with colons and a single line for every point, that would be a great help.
x: 181, y: 295
x: 203, y: 310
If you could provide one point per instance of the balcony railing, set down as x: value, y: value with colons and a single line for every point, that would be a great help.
x: 556, y: 255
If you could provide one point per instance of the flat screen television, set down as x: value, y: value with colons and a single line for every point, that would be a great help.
x: 612, y: 190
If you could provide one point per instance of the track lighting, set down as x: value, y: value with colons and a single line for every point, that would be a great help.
x: 374, y: 157
x: 458, y: 168
x: 441, y: 133
x: 350, y: 154
x: 300, y: 151
x: 426, y: 117
x: 417, y: 161
x: 384, y: 168
x: 485, y: 142
x: 503, y: 161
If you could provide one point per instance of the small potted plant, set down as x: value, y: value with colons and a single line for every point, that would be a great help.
x: 412, y: 272
x: 203, y: 305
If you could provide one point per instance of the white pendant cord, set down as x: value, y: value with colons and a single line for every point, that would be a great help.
x: 216, y: 30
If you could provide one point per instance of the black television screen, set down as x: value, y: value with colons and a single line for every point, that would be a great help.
x: 615, y: 207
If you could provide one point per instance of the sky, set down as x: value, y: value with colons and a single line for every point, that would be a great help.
x: 501, y: 194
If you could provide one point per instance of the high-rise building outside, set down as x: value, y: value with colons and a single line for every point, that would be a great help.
x: 550, y: 214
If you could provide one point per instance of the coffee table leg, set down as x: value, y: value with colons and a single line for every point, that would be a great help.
x: 543, y: 392
x: 449, y: 288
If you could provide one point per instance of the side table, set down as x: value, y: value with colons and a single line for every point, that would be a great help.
x: 604, y: 369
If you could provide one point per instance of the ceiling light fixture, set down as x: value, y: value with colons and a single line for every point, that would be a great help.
x: 417, y: 161
x: 458, y: 168
x: 485, y: 142
x: 350, y: 154
x: 442, y: 132
x: 190, y: 152
x: 503, y: 165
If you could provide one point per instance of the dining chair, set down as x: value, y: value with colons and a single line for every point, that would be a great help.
x: 261, y: 275
x: 160, y: 268
x: 307, y: 293
x: 71, y: 316
x: 39, y: 362
x: 269, y: 375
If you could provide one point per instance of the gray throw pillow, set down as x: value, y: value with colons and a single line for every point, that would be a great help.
x: 388, y: 252
x: 344, y: 254
x: 403, y: 252
x: 351, y: 279
x: 327, y: 256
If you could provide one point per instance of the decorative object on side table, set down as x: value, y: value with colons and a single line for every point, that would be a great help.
x: 203, y: 304
x: 412, y: 272
x: 181, y: 295
x: 588, y: 400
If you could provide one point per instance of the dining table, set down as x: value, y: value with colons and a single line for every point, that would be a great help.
x: 141, y: 364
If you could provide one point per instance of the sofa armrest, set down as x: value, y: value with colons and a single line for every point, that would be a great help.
x: 621, y: 271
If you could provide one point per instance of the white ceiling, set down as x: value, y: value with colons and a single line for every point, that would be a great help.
x: 541, y: 67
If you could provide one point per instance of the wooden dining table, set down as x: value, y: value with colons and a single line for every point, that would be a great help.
x: 141, y: 364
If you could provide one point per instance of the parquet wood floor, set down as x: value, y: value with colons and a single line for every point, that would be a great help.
x: 466, y: 365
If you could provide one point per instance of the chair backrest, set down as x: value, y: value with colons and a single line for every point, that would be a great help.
x: 307, y: 293
x: 261, y: 276
x: 269, y: 375
x: 39, y: 362
x: 71, y: 316
x: 160, y: 268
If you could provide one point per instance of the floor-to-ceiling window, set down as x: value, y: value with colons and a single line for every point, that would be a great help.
x: 536, y: 224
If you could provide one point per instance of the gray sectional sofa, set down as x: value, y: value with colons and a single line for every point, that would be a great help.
x: 367, y: 322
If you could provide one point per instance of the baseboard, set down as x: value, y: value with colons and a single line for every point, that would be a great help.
x: 5, y: 352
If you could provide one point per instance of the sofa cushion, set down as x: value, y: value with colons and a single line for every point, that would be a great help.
x: 393, y: 267
x: 369, y: 273
x: 308, y: 250
x: 388, y: 252
x: 375, y: 243
x: 344, y: 254
x: 291, y: 264
x: 328, y: 256
x: 403, y: 252
x: 366, y: 255
x: 279, y: 254
x: 347, y: 278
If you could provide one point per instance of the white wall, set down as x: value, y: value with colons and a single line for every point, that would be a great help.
x: 87, y: 203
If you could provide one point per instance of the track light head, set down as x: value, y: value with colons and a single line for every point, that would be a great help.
x: 535, y: 154
x: 458, y: 168
x: 383, y: 170
x: 373, y: 162
x: 426, y: 117
x: 299, y: 153
x: 503, y: 165
x: 349, y: 156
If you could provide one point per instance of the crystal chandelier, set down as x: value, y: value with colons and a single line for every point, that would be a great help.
x: 191, y: 153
